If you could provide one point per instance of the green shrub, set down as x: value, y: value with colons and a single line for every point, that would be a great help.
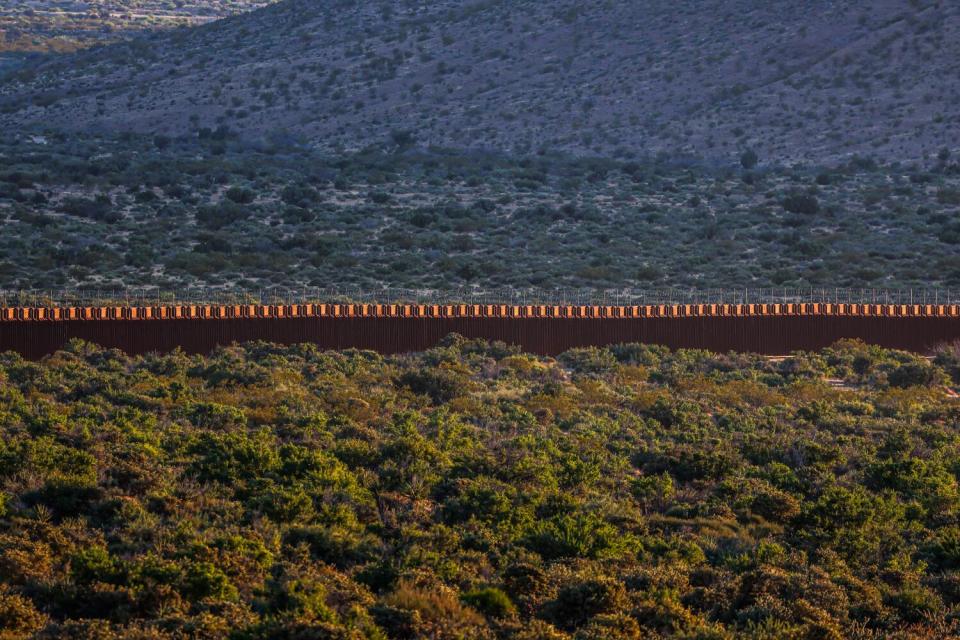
x: 67, y: 497
x: 577, y: 536
x: 240, y: 195
x: 578, y: 602
x: 589, y: 360
x: 333, y: 545
x: 216, y: 217
x: 94, y: 564
x: 204, y: 580
x: 99, y: 208
x: 915, y: 374
x: 490, y: 601
x: 802, y: 203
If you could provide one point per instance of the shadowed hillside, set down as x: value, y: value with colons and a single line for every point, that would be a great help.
x: 795, y: 81
x: 148, y: 211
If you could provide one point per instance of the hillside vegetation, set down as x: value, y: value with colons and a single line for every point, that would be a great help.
x: 105, y: 213
x: 475, y: 492
x: 812, y: 80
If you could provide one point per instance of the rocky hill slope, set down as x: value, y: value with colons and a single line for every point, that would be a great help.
x: 809, y: 81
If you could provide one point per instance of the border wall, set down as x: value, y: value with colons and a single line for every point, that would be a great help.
x: 773, y: 329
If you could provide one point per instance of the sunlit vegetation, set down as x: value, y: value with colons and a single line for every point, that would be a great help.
x: 58, y: 26
x: 474, y: 491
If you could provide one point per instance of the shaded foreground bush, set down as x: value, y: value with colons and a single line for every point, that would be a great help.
x: 473, y: 491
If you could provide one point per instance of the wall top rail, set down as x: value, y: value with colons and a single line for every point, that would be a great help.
x: 154, y: 313
x: 561, y: 297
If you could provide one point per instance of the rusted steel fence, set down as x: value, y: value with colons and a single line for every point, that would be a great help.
x: 771, y: 323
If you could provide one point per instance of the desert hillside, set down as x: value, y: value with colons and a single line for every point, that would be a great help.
x: 812, y: 81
